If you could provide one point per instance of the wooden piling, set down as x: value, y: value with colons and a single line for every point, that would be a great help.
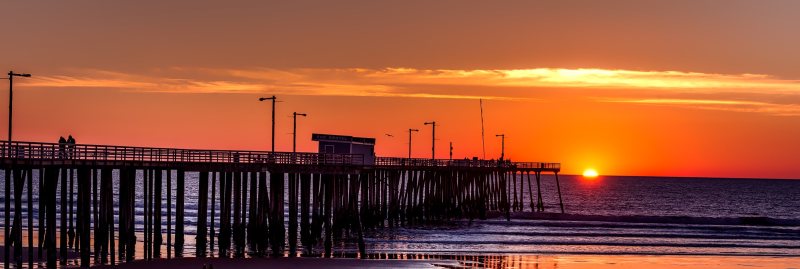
x: 263, y: 233
x: 180, y: 196
x: 7, y: 223
x: 560, y: 200
x: 252, y: 216
x: 276, y: 226
x: 292, y: 214
x: 202, y: 214
x: 237, y: 192
x: 212, y: 233
x: 157, y: 197
x: 84, y: 192
x: 327, y: 183
x: 540, y: 202
x: 51, y: 185
x: 305, y: 222
x: 95, y: 214
x: 16, y: 230
x: 169, y: 213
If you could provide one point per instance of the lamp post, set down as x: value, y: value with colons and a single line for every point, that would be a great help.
x: 433, y: 139
x: 409, y: 141
x: 294, y: 130
x: 273, y: 118
x: 502, y: 146
x: 11, y: 76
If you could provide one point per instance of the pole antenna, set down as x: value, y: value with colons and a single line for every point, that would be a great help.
x: 483, y: 134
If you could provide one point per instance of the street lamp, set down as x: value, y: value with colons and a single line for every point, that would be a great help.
x: 502, y: 146
x: 433, y: 139
x: 273, y: 118
x: 409, y: 141
x: 11, y: 76
x: 294, y: 130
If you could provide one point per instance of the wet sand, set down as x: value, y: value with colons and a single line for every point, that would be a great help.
x: 288, y: 263
x: 36, y: 258
x: 514, y: 261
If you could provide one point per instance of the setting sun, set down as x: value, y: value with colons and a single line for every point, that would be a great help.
x: 590, y: 173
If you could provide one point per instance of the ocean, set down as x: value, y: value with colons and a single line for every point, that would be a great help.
x: 609, y: 215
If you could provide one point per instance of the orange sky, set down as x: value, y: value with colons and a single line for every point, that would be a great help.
x: 669, y: 88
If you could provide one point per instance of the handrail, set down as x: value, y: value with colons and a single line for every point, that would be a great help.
x: 90, y: 152
x: 56, y: 151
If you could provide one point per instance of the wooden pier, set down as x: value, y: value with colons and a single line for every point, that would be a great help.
x: 327, y: 196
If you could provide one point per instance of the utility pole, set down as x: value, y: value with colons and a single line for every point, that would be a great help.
x: 502, y: 146
x: 433, y: 139
x: 409, y: 141
x: 273, y: 98
x: 11, y: 76
x: 294, y: 130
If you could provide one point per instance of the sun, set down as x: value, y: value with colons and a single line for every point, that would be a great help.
x: 590, y: 173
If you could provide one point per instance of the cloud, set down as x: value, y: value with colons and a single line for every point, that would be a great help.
x: 440, y: 83
x: 723, y: 105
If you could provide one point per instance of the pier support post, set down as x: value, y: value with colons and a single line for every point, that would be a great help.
x: 558, y: 186
x: 180, y: 196
x: 50, y: 185
x: 276, y: 226
x: 327, y: 183
x: 252, y: 218
x: 305, y: 234
x: 30, y: 218
x: 202, y: 215
x: 84, y: 206
x: 169, y: 213
x: 213, y: 208
x: 95, y: 214
x: 16, y: 230
x: 157, y: 187
x: 293, y: 214
x: 540, y: 202
x: 263, y: 214
x: 237, y: 209
x: 7, y: 219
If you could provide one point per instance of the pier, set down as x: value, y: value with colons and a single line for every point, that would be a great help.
x: 327, y: 196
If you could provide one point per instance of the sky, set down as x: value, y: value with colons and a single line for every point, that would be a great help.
x: 627, y: 87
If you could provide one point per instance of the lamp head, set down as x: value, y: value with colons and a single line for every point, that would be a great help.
x: 11, y: 73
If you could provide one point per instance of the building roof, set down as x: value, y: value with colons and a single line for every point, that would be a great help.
x: 343, y: 138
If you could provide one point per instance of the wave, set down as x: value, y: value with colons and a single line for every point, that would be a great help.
x: 744, y: 220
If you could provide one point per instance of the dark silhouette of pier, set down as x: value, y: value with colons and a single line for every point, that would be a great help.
x: 329, y: 196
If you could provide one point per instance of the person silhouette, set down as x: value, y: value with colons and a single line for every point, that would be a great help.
x: 62, y: 143
x: 70, y: 147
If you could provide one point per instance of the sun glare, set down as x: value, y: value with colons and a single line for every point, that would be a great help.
x: 590, y: 173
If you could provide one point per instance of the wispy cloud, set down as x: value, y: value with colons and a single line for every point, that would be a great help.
x: 723, y: 105
x: 430, y: 83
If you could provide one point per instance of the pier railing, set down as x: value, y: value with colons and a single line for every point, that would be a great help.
x: 88, y: 152
x: 394, y: 161
x: 85, y: 152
